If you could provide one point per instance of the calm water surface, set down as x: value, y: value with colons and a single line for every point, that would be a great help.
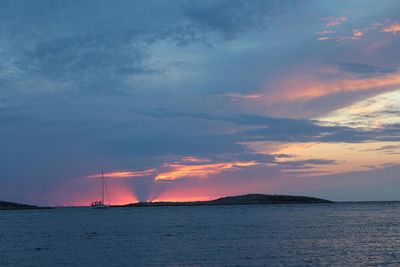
x: 341, y: 234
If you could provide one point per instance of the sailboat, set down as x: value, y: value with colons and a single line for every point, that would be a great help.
x: 100, y: 204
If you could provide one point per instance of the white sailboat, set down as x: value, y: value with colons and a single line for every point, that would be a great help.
x: 100, y: 204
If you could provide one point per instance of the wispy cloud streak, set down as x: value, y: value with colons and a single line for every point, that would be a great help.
x: 124, y: 174
x: 179, y: 171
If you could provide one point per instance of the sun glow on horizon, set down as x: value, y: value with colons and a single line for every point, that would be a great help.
x: 118, y: 197
x: 182, y: 199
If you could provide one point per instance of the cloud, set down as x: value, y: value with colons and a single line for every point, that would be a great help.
x: 70, y: 57
x: 179, y: 171
x: 132, y: 86
x: 318, y: 82
x: 194, y: 159
x: 357, y: 33
x: 240, y: 119
x: 228, y: 18
x: 390, y: 147
x: 364, y: 69
x: 155, y: 145
x: 380, y: 111
x: 124, y: 174
x: 337, y: 157
x: 334, y: 21
x: 264, y: 128
x: 353, y: 35
x: 236, y: 96
x: 110, y: 51
x: 392, y: 28
x: 387, y: 149
x: 187, y: 167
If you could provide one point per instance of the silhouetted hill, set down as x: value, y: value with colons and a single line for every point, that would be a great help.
x: 249, y: 199
x: 16, y: 206
x: 267, y: 199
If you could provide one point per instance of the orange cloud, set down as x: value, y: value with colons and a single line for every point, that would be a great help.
x: 124, y: 174
x: 178, y: 171
x: 393, y: 28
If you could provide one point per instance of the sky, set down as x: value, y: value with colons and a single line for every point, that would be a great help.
x: 194, y: 100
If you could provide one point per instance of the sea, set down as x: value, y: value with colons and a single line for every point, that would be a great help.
x: 338, y: 234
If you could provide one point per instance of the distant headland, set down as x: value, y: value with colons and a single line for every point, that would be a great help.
x: 250, y: 199
x: 4, y: 205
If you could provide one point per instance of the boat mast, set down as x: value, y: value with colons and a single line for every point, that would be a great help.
x: 102, y: 186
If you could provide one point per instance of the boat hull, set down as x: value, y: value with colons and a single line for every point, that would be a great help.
x: 100, y: 206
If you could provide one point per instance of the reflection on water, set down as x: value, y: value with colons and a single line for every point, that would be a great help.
x: 358, y: 234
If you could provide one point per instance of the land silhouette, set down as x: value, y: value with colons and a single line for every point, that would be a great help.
x: 249, y: 199
x: 4, y: 205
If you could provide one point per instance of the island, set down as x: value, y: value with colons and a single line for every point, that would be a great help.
x: 249, y: 199
x: 4, y: 205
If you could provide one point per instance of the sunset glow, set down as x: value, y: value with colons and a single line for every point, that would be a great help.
x: 199, y: 133
x: 194, y: 100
